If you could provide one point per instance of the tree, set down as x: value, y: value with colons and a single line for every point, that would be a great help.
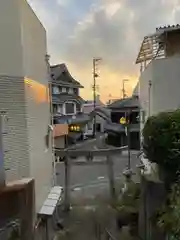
x: 169, y: 215
x: 161, y: 143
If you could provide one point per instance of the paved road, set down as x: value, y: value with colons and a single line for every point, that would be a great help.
x: 92, y: 179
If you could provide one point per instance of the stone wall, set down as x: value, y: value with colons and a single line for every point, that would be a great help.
x: 152, y: 197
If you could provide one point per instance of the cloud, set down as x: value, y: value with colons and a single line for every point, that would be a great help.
x: 79, y: 30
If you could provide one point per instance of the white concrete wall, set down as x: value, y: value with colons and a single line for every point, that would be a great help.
x: 164, y: 93
x: 10, y: 39
x: 166, y: 84
x: 144, y: 97
x: 12, y: 96
x: 37, y: 102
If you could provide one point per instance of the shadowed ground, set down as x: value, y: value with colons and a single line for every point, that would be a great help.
x: 88, y: 220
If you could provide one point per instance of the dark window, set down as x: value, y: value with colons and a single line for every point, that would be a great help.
x: 98, y: 127
x: 134, y: 117
x: 70, y: 108
x: 116, y: 116
x: 78, y: 107
x: 54, y: 108
x: 67, y: 89
x: 75, y: 90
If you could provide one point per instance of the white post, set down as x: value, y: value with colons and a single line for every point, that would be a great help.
x: 2, y: 170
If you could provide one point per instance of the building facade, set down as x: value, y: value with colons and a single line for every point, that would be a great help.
x: 65, y: 92
x: 127, y: 108
x: 24, y: 98
x: 159, y: 84
x: 88, y: 108
x: 66, y: 101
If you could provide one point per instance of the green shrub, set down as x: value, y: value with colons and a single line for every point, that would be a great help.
x: 169, y: 214
x: 162, y: 141
x: 130, y: 198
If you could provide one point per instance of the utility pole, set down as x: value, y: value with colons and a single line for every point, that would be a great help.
x: 95, y: 75
x: 123, y: 87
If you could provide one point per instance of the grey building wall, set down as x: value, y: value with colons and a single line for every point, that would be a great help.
x: 152, y: 198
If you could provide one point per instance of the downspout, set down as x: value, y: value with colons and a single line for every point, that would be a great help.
x: 51, y: 118
x: 149, y: 98
x: 2, y: 167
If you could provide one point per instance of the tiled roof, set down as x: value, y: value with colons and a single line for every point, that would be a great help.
x: 60, y: 75
x: 102, y: 112
x: 63, y: 97
x: 125, y: 103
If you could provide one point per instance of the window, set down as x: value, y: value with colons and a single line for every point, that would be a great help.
x: 70, y: 90
x: 59, y: 109
x: 63, y: 89
x: 75, y: 91
x: 78, y: 108
x: 134, y: 117
x: 89, y: 125
x: 70, y: 108
x: 55, y: 90
x: 54, y: 108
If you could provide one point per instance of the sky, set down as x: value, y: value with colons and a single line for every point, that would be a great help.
x: 78, y: 30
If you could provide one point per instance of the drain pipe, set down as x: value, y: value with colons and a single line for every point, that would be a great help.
x: 2, y: 167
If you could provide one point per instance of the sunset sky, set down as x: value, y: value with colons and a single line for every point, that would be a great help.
x: 78, y: 30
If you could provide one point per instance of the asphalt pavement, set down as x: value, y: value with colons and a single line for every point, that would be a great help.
x: 89, y: 179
